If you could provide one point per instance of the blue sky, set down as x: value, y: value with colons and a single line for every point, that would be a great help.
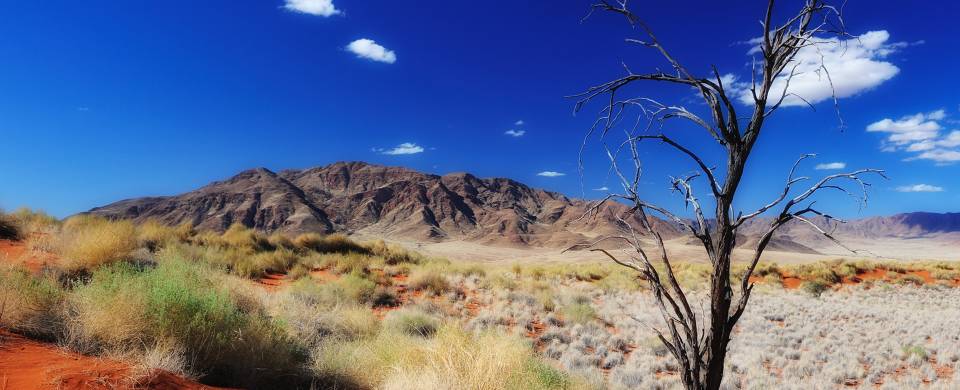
x: 105, y: 100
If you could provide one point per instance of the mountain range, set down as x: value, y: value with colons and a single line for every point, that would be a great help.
x: 396, y: 202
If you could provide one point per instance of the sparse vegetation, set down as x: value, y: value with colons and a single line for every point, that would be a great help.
x: 88, y: 242
x: 384, y: 317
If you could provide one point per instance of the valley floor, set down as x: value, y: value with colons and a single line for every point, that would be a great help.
x: 97, y: 303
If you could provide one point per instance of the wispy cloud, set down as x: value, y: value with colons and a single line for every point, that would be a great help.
x: 515, y: 133
x: 551, y: 174
x: 404, y: 148
x: 831, y: 166
x: 371, y: 50
x: 518, y: 123
x: 604, y: 188
x: 920, y: 134
x: 920, y: 188
x: 854, y: 65
x: 323, y: 8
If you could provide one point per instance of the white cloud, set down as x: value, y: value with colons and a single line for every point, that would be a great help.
x: 920, y: 133
x: 518, y: 123
x: 551, y: 174
x: 920, y: 188
x: 323, y: 8
x: 515, y: 133
x: 369, y: 49
x: 854, y: 65
x: 404, y: 148
x: 604, y: 188
x: 831, y: 166
x: 941, y: 156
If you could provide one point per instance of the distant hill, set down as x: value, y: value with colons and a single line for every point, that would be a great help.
x: 395, y: 202
x: 386, y: 201
x: 906, y: 226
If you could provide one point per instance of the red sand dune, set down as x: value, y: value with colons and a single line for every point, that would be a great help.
x: 27, y: 364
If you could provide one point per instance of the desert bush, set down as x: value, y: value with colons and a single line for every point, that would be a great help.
x: 87, y: 242
x: 411, y: 322
x: 763, y: 269
x: 580, y: 313
x: 279, y: 240
x: 9, y: 228
x: 453, y: 359
x: 350, y: 289
x: 31, y: 222
x: 345, y: 263
x: 333, y: 243
x: 944, y: 274
x: 461, y: 360
x: 279, y: 260
x: 910, y: 279
x: 123, y: 310
x: 383, y: 297
x: 357, y: 288
x: 815, y: 287
x: 430, y: 280
x: 239, y: 236
x: 152, y: 234
x: 394, y: 254
x: 29, y: 304
x: 545, y: 297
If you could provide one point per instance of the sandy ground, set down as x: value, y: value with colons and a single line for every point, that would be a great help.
x: 888, y: 249
x: 28, y: 364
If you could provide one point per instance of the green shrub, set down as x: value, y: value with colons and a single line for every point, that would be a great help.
x: 411, y: 322
x: 124, y: 309
x: 915, y: 350
x: 815, y: 287
x: 357, y: 288
x: 580, y: 313
x: 536, y: 374
x: 29, y: 304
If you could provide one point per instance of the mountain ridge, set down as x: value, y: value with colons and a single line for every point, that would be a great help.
x: 388, y: 201
x: 398, y: 202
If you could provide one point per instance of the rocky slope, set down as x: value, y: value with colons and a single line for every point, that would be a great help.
x: 385, y: 201
x: 357, y: 197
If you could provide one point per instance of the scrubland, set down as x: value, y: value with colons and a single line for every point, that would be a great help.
x: 244, y: 309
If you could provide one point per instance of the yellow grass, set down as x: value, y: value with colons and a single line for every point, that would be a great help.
x: 89, y: 242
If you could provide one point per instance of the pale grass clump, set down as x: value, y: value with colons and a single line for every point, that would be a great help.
x: 430, y: 280
x: 87, y: 242
x: 25, y: 223
x: 239, y: 236
x: 333, y: 243
x: 181, y: 311
x: 153, y: 234
x: 29, y: 304
x: 452, y: 359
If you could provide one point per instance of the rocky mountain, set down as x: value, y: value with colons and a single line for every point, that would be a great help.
x: 357, y: 197
x: 385, y: 201
x: 903, y: 226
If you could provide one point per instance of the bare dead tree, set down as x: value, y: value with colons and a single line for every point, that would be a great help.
x: 700, y: 344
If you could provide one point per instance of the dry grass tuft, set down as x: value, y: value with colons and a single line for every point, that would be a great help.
x: 88, y: 242
x: 28, y: 303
